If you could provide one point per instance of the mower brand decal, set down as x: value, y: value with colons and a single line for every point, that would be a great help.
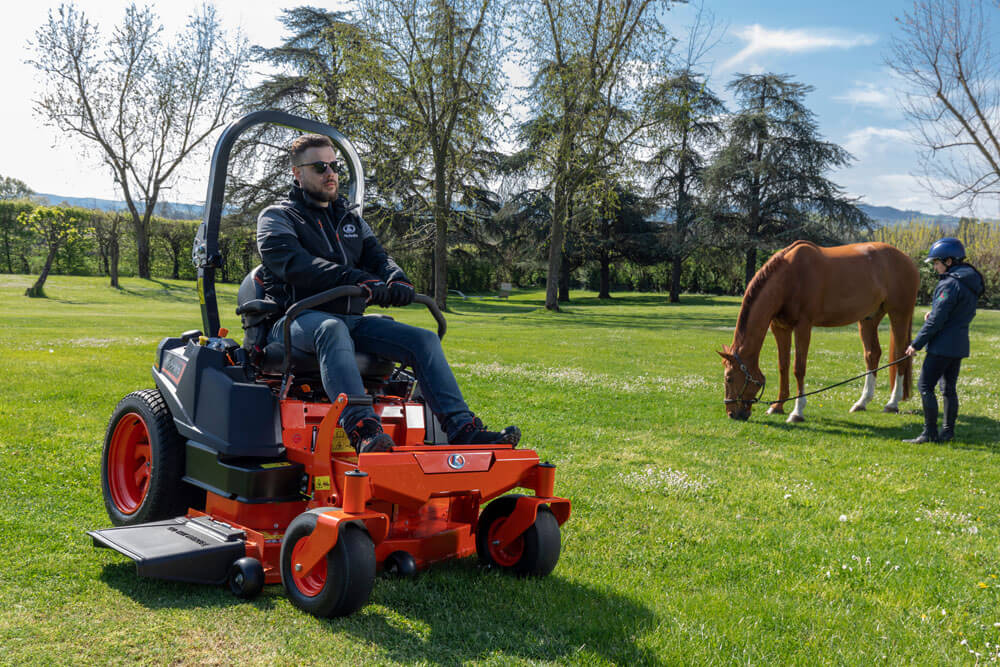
x: 456, y: 461
x: 279, y: 464
x: 322, y: 483
x: 201, y: 291
x: 173, y: 367
x: 197, y: 540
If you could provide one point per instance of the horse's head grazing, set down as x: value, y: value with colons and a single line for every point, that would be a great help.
x: 743, y: 383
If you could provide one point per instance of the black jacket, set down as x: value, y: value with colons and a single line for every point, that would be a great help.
x: 307, y: 249
x: 946, y: 329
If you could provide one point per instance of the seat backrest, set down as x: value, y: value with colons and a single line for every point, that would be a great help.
x: 251, y: 288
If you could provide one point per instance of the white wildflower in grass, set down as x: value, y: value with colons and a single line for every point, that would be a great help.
x: 90, y: 343
x: 630, y: 384
x: 843, y: 518
x: 666, y: 480
x: 945, y: 521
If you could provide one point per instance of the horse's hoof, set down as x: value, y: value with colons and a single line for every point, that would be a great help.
x: 795, y: 419
x: 891, y: 410
x: 775, y: 410
x: 857, y: 408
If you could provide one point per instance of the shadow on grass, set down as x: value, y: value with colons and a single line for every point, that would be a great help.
x: 589, y: 313
x: 163, y: 291
x: 466, y: 614
x: 974, y: 432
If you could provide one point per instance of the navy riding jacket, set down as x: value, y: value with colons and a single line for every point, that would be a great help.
x: 946, y: 329
x: 307, y: 249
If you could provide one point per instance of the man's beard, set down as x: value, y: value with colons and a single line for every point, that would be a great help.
x: 322, y: 194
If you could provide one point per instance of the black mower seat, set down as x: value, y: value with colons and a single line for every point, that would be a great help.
x: 256, y: 309
x: 273, y: 359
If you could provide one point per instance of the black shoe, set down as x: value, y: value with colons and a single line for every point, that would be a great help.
x: 946, y: 435
x: 475, y: 433
x: 367, y: 436
x: 922, y: 438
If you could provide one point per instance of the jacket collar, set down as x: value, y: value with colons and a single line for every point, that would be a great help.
x: 967, y: 275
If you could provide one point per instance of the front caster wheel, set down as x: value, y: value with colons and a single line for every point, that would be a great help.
x: 341, y: 583
x: 400, y: 564
x: 534, y: 553
x: 246, y: 578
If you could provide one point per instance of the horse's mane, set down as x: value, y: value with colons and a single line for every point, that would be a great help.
x: 757, y: 283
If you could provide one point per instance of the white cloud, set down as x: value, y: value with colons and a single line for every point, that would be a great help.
x: 868, y: 94
x: 761, y: 40
x: 861, y: 142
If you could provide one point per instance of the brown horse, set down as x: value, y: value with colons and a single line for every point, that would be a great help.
x: 804, y: 286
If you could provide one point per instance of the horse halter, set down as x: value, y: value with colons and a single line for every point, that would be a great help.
x: 748, y: 379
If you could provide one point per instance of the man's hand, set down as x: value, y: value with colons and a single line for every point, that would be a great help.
x: 378, y: 292
x: 401, y: 293
x: 910, y: 352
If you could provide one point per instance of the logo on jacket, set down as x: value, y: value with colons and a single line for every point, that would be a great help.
x: 350, y: 230
x: 456, y: 461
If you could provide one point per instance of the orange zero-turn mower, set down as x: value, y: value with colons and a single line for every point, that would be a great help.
x: 234, y: 470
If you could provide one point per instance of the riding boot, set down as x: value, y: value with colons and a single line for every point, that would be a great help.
x: 950, y: 406
x: 930, y: 432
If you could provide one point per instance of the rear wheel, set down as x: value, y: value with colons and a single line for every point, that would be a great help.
x: 534, y: 553
x: 341, y: 583
x: 143, y: 462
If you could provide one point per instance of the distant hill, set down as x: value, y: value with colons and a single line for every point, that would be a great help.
x: 887, y: 215
x: 882, y: 215
x: 163, y: 209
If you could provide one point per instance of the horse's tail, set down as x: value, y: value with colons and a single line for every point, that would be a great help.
x: 905, y: 367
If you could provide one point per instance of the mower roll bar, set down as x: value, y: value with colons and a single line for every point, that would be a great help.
x: 205, y: 254
x: 330, y: 295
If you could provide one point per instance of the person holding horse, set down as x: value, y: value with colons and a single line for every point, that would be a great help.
x: 946, y: 335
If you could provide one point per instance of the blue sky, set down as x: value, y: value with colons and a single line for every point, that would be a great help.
x: 838, y: 48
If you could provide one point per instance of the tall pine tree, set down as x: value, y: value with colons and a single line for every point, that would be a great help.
x: 768, y: 180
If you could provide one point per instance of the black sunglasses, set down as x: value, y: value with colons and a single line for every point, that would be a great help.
x: 320, y: 167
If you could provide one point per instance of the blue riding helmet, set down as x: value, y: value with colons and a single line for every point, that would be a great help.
x: 945, y: 248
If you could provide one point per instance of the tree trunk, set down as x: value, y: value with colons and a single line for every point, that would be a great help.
x: 675, y: 280
x: 142, y: 250
x: 556, y: 237
x: 176, y: 273
x: 441, y: 213
x: 6, y: 251
x: 36, y: 289
x: 113, y: 251
x: 751, y: 265
x: 564, y: 272
x: 605, y: 290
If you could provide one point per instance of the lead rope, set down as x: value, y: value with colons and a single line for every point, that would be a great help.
x: 856, y: 377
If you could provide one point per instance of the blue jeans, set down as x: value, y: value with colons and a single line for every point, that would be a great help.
x: 334, y: 339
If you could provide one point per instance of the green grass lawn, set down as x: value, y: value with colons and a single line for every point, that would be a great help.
x: 693, y: 538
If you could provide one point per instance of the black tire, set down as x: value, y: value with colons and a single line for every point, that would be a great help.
x: 142, y: 463
x: 246, y: 578
x: 535, y: 553
x: 400, y: 564
x: 344, y: 583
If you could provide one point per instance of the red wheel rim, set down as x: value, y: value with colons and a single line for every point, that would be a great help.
x: 509, y: 555
x: 311, y: 583
x: 130, y: 463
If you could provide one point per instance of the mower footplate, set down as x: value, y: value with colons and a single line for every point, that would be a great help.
x: 198, y: 550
